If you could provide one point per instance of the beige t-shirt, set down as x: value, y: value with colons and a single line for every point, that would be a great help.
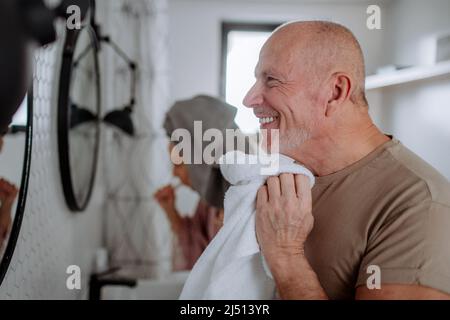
x: 390, y: 209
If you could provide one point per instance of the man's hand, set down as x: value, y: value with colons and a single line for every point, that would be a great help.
x: 283, y: 216
x: 283, y: 222
x: 8, y: 193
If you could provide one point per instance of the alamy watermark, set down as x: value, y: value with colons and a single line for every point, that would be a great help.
x: 73, y: 281
x: 190, y: 149
x: 374, y: 280
x: 74, y: 17
x: 373, y: 21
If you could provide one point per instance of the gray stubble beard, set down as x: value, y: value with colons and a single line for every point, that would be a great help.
x: 293, y: 139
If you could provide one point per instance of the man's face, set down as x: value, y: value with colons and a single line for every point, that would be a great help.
x: 283, y: 97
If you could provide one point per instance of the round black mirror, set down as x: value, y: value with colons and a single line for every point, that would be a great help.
x: 15, y: 160
x: 79, y: 109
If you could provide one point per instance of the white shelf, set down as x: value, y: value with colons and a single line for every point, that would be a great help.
x: 407, y: 75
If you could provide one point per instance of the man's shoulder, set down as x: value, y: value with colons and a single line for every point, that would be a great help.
x: 416, y: 169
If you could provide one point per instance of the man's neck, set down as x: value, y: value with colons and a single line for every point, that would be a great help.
x: 327, y: 155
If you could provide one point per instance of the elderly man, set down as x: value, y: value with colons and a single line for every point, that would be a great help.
x: 376, y: 209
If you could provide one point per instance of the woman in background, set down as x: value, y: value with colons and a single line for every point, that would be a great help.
x: 8, y: 193
x: 195, y: 232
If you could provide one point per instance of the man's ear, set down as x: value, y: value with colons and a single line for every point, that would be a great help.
x: 341, y: 85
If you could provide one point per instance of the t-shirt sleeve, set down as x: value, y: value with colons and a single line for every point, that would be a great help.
x: 412, y: 247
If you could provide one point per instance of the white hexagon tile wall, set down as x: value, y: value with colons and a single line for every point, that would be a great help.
x: 51, y: 237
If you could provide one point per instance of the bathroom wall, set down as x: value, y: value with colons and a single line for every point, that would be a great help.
x: 52, y: 237
x: 417, y: 113
x: 137, y: 233
x: 195, y: 34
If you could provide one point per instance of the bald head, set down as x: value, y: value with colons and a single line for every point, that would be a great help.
x: 319, y: 48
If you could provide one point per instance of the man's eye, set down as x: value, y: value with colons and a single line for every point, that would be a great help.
x: 271, y: 80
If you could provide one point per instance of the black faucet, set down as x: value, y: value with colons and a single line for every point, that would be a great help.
x: 107, y: 278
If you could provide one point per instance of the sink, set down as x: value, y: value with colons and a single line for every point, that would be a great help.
x: 167, y: 288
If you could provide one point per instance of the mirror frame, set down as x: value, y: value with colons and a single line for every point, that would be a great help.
x: 22, y: 198
x: 64, y: 117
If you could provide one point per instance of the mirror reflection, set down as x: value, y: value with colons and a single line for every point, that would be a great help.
x: 84, y: 99
x: 78, y: 120
x: 12, y: 148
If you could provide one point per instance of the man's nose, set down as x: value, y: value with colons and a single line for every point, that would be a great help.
x: 253, y: 97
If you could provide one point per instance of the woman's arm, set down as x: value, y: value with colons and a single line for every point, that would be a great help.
x: 175, y: 219
x: 8, y: 193
x: 166, y: 199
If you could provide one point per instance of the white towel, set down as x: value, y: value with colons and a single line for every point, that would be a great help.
x: 232, y: 267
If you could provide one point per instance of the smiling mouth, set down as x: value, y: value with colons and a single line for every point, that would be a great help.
x: 267, y: 120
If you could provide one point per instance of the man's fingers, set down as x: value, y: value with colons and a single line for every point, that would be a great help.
x: 303, y: 187
x: 287, y: 184
x: 274, y: 188
x: 262, y: 196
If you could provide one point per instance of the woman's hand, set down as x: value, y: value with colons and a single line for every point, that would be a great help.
x: 8, y: 193
x: 5, y: 224
x: 166, y: 198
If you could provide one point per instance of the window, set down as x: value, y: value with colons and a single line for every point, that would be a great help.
x: 241, y: 44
